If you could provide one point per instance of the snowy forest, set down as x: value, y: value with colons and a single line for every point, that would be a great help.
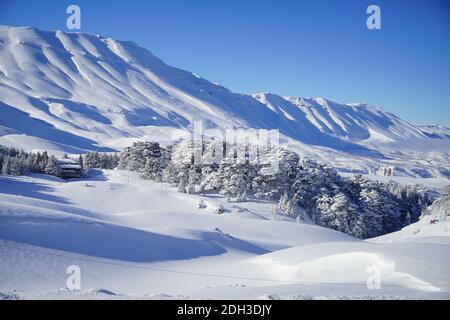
x: 303, y: 188
x: 17, y: 162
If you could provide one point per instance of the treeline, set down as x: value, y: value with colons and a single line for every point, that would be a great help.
x: 17, y: 163
x: 99, y: 160
x: 303, y: 188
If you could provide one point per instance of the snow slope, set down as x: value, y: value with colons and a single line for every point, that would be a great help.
x: 106, y: 89
x: 433, y: 226
x: 137, y: 239
x: 73, y: 92
x: 352, y: 122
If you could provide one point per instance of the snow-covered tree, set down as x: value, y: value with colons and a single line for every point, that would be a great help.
x: 145, y: 157
x: 52, y: 167
x: 439, y: 209
x: 99, y: 160
x: 303, y: 187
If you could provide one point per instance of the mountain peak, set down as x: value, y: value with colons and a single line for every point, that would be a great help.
x: 97, y: 91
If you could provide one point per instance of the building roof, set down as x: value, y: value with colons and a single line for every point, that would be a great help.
x: 67, y: 161
x: 70, y: 166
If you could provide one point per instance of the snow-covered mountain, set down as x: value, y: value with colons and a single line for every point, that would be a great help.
x: 350, y: 122
x: 436, y: 131
x: 73, y: 92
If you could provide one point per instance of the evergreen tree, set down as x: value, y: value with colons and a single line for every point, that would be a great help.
x: 80, y: 162
x: 6, y: 165
x: 304, y: 188
x: 52, y: 167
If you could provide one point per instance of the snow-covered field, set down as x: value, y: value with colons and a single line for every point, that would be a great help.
x: 136, y: 239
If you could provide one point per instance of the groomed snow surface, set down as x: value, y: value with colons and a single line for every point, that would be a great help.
x: 136, y: 239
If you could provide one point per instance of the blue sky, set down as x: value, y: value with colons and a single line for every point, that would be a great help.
x: 299, y: 48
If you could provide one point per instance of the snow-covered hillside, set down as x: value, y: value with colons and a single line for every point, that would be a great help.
x: 352, y: 122
x: 133, y: 238
x: 72, y: 92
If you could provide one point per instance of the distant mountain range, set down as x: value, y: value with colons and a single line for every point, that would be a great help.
x: 74, y: 92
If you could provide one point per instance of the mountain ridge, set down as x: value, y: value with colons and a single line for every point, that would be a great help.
x: 75, y: 92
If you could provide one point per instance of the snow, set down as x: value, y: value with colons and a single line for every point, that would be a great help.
x: 136, y: 239
x: 75, y: 92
